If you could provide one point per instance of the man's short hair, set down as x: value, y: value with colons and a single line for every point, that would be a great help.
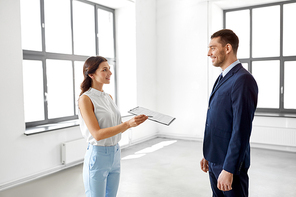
x: 227, y: 36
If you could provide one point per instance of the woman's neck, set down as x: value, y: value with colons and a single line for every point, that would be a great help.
x: 98, y: 87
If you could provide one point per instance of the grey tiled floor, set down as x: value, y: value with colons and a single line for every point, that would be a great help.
x: 157, y: 168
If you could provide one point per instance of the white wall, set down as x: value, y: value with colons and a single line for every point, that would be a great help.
x: 146, y: 63
x: 182, y: 66
x: 125, y: 57
x: 126, y: 63
x: 136, y: 60
x: 146, y: 53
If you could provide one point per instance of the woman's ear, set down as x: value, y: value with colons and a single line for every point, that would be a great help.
x: 90, y: 75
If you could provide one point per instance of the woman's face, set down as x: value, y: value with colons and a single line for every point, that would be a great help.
x: 102, y: 74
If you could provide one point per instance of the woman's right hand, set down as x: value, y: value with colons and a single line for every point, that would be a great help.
x: 137, y: 120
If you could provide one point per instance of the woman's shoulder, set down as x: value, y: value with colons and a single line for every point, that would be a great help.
x: 85, y: 102
x: 84, y: 98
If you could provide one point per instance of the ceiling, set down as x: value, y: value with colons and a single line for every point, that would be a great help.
x: 223, y: 4
x: 229, y: 4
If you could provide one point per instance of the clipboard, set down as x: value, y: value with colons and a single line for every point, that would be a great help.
x: 152, y: 115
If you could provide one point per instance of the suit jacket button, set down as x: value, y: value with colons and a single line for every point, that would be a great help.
x: 208, y: 108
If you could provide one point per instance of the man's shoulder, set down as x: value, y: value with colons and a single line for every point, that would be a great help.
x: 242, y: 72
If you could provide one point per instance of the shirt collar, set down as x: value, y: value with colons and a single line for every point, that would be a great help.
x: 224, y: 72
x: 97, y: 92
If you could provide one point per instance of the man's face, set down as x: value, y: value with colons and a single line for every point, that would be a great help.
x: 217, y: 52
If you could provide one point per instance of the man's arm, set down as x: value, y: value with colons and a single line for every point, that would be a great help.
x: 244, y: 102
x: 244, y: 99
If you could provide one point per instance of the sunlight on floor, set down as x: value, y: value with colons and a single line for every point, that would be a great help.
x: 151, y: 149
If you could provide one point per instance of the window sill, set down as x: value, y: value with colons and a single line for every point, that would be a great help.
x: 55, y: 126
x: 51, y: 127
x: 280, y: 115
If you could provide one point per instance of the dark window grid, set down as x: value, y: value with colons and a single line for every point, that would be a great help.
x: 281, y: 110
x: 43, y: 56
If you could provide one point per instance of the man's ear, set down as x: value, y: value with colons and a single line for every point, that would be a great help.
x: 228, y: 48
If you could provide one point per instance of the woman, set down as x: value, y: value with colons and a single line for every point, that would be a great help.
x: 101, y: 125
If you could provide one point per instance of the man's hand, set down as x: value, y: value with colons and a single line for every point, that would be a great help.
x: 204, y: 165
x: 225, y: 181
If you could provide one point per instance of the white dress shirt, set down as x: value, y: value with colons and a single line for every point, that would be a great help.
x: 107, y: 115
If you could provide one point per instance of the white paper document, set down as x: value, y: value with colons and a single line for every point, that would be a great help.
x: 152, y: 115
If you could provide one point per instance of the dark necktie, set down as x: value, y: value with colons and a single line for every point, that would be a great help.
x: 218, y: 80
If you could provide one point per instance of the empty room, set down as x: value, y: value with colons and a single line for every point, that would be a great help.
x: 147, y: 98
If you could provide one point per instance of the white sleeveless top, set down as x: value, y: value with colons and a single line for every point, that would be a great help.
x: 107, y: 115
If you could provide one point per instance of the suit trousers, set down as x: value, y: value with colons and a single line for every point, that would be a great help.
x: 240, y: 184
x: 101, y: 171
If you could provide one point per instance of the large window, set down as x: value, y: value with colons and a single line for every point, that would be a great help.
x: 267, y: 50
x: 57, y: 37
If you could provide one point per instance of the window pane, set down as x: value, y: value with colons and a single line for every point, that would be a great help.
x: 266, y: 32
x: 239, y: 22
x: 268, y: 84
x: 105, y: 25
x: 58, y: 26
x: 78, y: 66
x: 290, y: 81
x: 31, y: 25
x: 245, y: 65
x: 110, y: 88
x: 84, y: 29
x: 289, y: 29
x: 33, y: 90
x: 60, y: 88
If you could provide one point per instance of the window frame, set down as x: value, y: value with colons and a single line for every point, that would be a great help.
x: 281, y: 111
x: 43, y: 56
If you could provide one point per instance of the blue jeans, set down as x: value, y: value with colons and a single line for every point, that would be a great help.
x: 101, y: 171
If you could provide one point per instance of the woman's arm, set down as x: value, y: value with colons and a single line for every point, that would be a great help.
x: 87, y: 112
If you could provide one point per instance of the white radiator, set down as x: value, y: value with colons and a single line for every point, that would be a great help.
x: 282, y: 139
x: 73, y: 151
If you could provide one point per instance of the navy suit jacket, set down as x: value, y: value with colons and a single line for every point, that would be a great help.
x: 231, y: 109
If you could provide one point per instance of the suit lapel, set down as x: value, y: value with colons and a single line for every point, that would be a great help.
x: 225, y: 78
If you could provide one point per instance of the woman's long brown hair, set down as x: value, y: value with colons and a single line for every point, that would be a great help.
x: 90, y: 66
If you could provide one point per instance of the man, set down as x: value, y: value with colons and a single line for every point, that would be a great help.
x: 230, y: 114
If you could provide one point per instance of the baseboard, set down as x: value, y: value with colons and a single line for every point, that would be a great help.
x: 274, y: 147
x: 38, y: 175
